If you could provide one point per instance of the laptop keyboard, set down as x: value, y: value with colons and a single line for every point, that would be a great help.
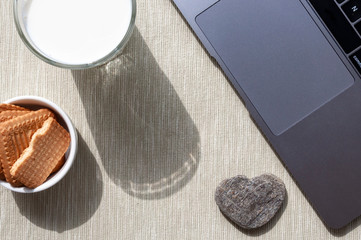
x: 352, y: 9
x: 343, y: 19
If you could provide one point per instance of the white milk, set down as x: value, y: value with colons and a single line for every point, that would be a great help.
x: 76, y: 31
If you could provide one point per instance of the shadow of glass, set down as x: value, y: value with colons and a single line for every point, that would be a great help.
x: 265, y: 228
x: 71, y: 202
x: 147, y: 141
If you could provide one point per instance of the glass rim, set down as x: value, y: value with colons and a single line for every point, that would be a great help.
x: 32, y: 47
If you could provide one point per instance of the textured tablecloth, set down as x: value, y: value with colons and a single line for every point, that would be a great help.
x: 159, y: 128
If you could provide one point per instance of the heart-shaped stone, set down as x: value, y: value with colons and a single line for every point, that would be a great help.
x: 250, y: 203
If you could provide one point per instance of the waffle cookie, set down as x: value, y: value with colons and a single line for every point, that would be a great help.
x: 10, y: 107
x: 47, y: 147
x: 5, y: 116
x: 59, y: 165
x: 15, y: 137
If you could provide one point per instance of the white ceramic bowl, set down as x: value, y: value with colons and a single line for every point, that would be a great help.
x: 34, y: 102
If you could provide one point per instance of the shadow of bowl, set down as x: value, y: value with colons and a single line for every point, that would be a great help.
x: 71, y: 202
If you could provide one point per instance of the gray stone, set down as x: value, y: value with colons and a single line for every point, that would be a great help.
x: 250, y: 203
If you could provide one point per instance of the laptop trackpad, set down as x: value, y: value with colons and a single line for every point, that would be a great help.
x: 278, y: 56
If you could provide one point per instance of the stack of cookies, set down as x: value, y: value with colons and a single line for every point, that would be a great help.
x: 32, y: 145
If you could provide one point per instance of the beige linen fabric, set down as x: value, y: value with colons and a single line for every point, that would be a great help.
x: 159, y: 128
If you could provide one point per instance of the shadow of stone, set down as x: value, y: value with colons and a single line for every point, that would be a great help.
x: 71, y: 202
x: 147, y: 141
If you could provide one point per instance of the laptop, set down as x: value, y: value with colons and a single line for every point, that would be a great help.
x: 296, y: 64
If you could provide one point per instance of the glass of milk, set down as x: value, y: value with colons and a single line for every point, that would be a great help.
x: 75, y: 34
